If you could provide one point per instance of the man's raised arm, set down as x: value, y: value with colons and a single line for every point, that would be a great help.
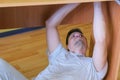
x: 52, y: 23
x: 99, y: 30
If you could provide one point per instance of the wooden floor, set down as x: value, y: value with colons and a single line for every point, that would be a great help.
x: 27, y: 51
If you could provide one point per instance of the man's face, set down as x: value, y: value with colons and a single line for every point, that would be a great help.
x: 77, y: 41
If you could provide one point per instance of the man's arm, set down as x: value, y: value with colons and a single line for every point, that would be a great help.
x: 99, y: 30
x: 52, y: 23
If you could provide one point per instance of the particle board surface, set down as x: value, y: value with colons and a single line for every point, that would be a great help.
x: 11, y: 3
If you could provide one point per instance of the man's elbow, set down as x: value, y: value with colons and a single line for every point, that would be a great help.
x: 101, y: 40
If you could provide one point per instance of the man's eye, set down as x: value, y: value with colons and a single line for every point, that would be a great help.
x: 82, y: 35
x: 73, y: 36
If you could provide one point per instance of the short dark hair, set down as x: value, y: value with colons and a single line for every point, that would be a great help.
x: 70, y: 32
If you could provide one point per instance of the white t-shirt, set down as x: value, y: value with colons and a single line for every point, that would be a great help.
x: 8, y: 72
x: 65, y: 65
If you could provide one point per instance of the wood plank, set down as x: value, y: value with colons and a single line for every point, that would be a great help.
x: 114, y: 45
x: 14, y: 3
x: 31, y: 16
x: 36, y: 15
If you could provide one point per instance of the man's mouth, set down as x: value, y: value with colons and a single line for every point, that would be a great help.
x: 78, y: 42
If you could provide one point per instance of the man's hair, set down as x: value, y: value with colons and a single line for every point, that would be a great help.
x: 70, y: 32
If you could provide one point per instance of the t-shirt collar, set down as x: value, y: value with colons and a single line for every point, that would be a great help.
x: 77, y: 54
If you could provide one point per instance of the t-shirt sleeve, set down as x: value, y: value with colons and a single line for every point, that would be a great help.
x: 1, y: 78
x: 55, y: 53
x: 103, y: 72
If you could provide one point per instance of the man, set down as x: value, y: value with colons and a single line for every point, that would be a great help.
x: 71, y: 63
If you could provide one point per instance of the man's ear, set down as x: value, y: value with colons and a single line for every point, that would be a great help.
x: 67, y: 49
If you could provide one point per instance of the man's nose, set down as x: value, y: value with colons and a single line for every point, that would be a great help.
x: 77, y: 35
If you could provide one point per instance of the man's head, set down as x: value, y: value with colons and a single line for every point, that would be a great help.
x: 76, y: 41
